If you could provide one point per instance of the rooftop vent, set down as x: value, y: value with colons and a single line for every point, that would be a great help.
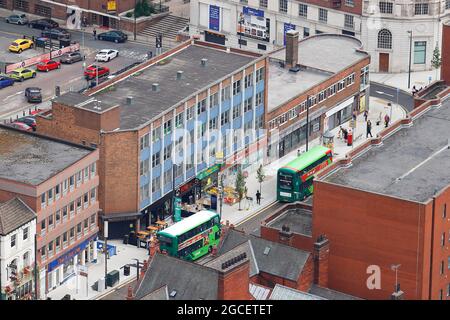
x: 266, y: 251
x: 204, y: 62
x: 233, y: 261
x: 294, y: 69
x: 129, y: 100
x: 97, y: 105
x: 179, y: 75
x: 155, y: 87
x: 173, y: 293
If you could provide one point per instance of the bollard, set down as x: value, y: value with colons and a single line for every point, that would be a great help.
x: 29, y: 111
x: 23, y: 113
x: 17, y: 116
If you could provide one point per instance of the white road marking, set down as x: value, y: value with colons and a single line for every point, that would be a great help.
x: 15, y: 94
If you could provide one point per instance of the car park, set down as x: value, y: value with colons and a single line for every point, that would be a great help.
x: 33, y: 94
x: 93, y: 71
x: 43, y: 24
x: 113, y: 36
x: 56, y: 33
x: 21, y: 126
x: 29, y: 121
x: 71, y: 57
x: 47, y: 65
x: 106, y: 55
x: 20, y: 19
x: 22, y: 74
x: 20, y: 45
x: 5, y: 81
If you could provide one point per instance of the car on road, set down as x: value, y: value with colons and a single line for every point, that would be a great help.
x: 21, y: 126
x: 92, y: 71
x: 56, y: 33
x: 19, y: 19
x: 106, y: 55
x: 22, y: 74
x: 71, y: 57
x: 29, y: 121
x: 47, y: 65
x: 20, y: 45
x: 113, y: 35
x: 33, y: 94
x: 43, y: 24
x: 5, y: 81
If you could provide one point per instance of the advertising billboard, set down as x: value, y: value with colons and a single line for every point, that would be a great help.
x: 253, y: 24
x: 214, y: 18
x: 287, y: 27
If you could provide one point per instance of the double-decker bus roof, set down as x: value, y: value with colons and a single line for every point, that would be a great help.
x: 306, y: 159
x: 188, y: 223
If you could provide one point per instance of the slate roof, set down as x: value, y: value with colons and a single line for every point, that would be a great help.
x: 280, y: 260
x: 330, y: 294
x: 14, y: 214
x: 280, y: 292
x: 159, y: 294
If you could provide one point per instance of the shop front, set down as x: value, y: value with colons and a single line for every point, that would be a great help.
x: 339, y: 114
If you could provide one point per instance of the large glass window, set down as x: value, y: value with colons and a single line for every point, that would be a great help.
x: 303, y: 10
x: 285, y: 181
x: 323, y: 15
x: 384, y: 39
x: 420, y: 48
x: 283, y: 6
x: 421, y: 8
x: 385, y: 7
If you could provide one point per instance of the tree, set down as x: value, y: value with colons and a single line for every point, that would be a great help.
x: 240, y: 186
x: 260, y: 176
x: 436, y: 60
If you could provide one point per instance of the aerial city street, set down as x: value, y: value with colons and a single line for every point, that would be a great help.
x: 224, y: 150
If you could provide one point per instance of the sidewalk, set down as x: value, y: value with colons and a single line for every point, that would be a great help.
x: 400, y: 80
x: 268, y: 190
x: 125, y: 255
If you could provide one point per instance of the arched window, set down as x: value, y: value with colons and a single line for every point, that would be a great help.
x: 384, y: 39
x: 26, y: 259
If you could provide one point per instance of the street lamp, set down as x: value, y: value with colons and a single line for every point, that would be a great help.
x: 134, y: 14
x: 241, y: 21
x: 105, y: 249
x: 137, y: 267
x: 410, y: 51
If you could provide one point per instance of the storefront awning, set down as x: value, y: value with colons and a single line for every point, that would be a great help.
x: 121, y: 216
x: 340, y: 106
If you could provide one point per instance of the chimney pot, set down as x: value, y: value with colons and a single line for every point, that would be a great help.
x: 179, y: 75
x: 204, y: 62
x: 129, y: 100
x: 291, y: 49
x: 155, y: 87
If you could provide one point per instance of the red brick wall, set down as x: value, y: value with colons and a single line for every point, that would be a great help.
x: 298, y: 241
x: 370, y: 229
x: 445, y: 55
x: 234, y: 283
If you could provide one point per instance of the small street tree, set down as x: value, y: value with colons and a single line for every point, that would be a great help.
x: 240, y: 186
x: 260, y: 176
x: 436, y: 60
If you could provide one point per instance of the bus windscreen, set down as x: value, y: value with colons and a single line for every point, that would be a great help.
x: 285, y: 181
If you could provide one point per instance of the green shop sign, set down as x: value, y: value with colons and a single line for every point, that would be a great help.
x: 205, y: 173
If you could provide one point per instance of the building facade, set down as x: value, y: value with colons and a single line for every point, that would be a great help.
x: 17, y: 248
x: 261, y: 25
x: 396, y: 31
x: 60, y: 185
x: 167, y: 123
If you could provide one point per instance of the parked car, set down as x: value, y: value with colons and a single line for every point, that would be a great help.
x: 43, y: 24
x: 113, y: 35
x: 22, y: 74
x: 56, y: 33
x: 92, y: 71
x: 33, y: 94
x: 19, y: 19
x: 5, y: 81
x: 20, y: 45
x: 29, y: 121
x: 47, y: 65
x: 106, y: 55
x: 21, y: 126
x: 71, y: 57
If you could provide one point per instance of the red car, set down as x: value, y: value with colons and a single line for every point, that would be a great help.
x: 47, y: 65
x: 91, y: 71
x: 21, y: 126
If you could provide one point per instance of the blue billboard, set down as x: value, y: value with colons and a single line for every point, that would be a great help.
x: 287, y: 27
x: 214, y: 18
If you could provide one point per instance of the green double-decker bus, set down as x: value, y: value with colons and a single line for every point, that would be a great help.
x: 192, y: 237
x: 295, y: 180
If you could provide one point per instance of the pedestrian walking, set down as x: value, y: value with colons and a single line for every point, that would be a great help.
x: 345, y: 133
x: 258, y: 197
x: 94, y: 32
x: 369, y: 129
x: 386, y: 120
x: 298, y: 153
x: 366, y: 114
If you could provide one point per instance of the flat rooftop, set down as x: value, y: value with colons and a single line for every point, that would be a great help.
x: 410, y: 164
x: 147, y: 104
x: 298, y: 220
x: 32, y: 159
x: 323, y: 55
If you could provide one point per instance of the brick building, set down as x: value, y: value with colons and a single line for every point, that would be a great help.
x: 57, y: 180
x: 146, y: 120
x: 329, y: 73
x: 445, y: 53
x: 386, y: 205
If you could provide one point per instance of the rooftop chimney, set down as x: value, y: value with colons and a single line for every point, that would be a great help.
x: 291, y: 49
x: 445, y: 54
x: 155, y: 87
x: 234, y: 279
x: 179, y: 75
x: 204, y: 61
x: 286, y: 235
x: 129, y: 100
x: 321, y: 255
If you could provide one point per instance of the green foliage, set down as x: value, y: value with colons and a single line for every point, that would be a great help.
x: 260, y: 176
x: 240, y: 186
x: 436, y: 60
x: 143, y: 8
x: 129, y: 14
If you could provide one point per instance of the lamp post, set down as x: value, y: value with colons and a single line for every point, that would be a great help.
x: 35, y: 269
x: 241, y: 21
x: 410, y: 52
x: 105, y: 249
x: 137, y: 268
x: 134, y: 14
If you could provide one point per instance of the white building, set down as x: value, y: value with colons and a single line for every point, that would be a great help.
x: 386, y: 32
x: 263, y: 23
x: 17, y: 236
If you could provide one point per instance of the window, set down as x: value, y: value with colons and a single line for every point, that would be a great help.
x: 259, y: 100
x: 43, y: 200
x: 79, y: 228
x: 167, y: 152
x: 248, y: 104
x: 72, y: 207
x: 283, y: 6
x: 348, y: 22
x: 64, y: 238
x: 341, y: 85
x: 156, y: 134
x: 65, y: 185
x: 214, y: 100
x: 57, y: 191
x: 42, y: 11
x: 384, y: 39
x: 71, y: 182
x: 420, y: 8
x: 226, y: 93
x: 50, y: 195
x: 420, y: 48
x: 179, y: 120
x: 263, y: 3
x: 143, y: 167
x: 86, y: 224
x: 248, y: 125
x: 213, y: 123
x: 259, y: 122
x: 168, y: 127
x: 13, y: 241
x: 236, y: 87
x: 443, y: 239
x: 155, y: 159
x: 447, y: 6
x: 144, y: 141
x: 79, y: 176
x: 444, y: 211
x: 43, y: 252
x: 64, y: 213
x: 168, y: 177
x: 189, y: 113
x: 385, y: 7
x: 26, y: 259
x: 179, y: 170
x: 236, y: 111
x: 50, y: 221
x: 156, y: 184
x: 79, y: 204
x: 93, y: 195
x: 86, y: 199
x: 201, y: 130
x: 350, y: 3
x: 58, y: 243
x: 144, y: 192
x: 72, y: 233
x: 442, y: 268
x: 303, y: 10
x: 50, y: 248
x: 305, y: 32
x: 86, y: 174
x: 58, y: 216
x: 260, y: 74
x: 43, y: 225
x: 323, y: 15
x: 25, y: 233
x: 248, y: 81
x: 93, y: 219
x: 201, y: 106
x: 225, y: 117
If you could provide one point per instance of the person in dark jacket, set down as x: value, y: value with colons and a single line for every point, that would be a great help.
x: 258, y: 197
x: 369, y: 129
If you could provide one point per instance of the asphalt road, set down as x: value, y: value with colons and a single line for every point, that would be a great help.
x: 385, y: 92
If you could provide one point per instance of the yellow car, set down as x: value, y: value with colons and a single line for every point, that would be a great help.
x: 20, y: 44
